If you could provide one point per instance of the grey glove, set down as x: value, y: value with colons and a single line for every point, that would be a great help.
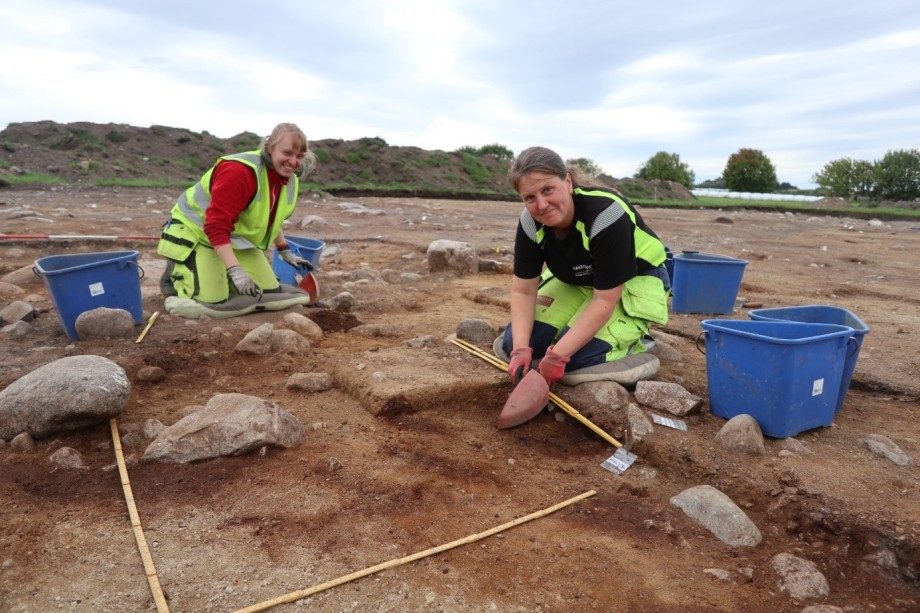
x: 243, y: 282
x: 293, y: 259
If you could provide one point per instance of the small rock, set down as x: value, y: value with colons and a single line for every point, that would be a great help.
x: 343, y: 302
x: 477, y: 331
x: 103, y: 322
x: 17, y: 329
x: 800, y: 579
x: 885, y: 447
x: 18, y: 310
x: 670, y: 397
x: 309, y: 382
x: 742, y: 433
x: 22, y: 442
x: 150, y: 374
x: 420, y: 342
x: 67, y: 457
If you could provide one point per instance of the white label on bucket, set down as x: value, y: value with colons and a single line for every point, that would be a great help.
x: 96, y: 289
x: 817, y: 387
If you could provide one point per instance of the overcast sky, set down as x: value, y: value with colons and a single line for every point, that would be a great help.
x: 806, y: 82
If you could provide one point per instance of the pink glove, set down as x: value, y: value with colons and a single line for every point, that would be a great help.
x: 552, y: 366
x: 520, y: 361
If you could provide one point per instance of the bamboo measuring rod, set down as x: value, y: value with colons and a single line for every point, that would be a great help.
x: 415, y: 556
x: 158, y: 598
x: 562, y: 404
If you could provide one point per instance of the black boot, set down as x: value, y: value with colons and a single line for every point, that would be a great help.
x: 166, y: 282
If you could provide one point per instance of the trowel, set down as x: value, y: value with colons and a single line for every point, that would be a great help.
x: 527, y: 399
x: 309, y: 284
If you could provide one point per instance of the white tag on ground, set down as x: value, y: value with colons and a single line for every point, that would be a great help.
x: 677, y: 424
x: 619, y: 461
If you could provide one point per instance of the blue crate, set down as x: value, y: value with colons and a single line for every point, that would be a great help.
x: 705, y: 283
x: 85, y: 281
x: 784, y: 374
x: 819, y: 313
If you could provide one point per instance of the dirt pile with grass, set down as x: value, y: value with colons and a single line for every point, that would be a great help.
x: 117, y: 154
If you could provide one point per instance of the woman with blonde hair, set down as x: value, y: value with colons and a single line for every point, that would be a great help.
x: 219, y: 229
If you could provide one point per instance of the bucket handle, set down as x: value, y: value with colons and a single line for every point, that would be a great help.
x: 697, y: 342
x: 850, y: 354
x: 140, y: 271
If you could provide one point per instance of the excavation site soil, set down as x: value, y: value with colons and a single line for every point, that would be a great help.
x: 381, y: 475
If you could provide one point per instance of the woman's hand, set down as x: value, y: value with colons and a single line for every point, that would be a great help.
x: 520, y: 363
x: 552, y: 366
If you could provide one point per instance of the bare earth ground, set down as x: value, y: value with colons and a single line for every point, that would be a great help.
x: 363, y: 488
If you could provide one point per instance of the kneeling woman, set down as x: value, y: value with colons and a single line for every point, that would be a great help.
x: 604, y: 284
x: 221, y: 226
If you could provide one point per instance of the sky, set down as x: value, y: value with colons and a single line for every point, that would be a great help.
x: 805, y: 82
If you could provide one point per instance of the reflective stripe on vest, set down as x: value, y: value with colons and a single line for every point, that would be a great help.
x: 193, y: 204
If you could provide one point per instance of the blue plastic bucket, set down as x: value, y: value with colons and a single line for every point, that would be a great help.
x: 85, y: 281
x: 817, y: 313
x: 706, y: 283
x: 309, y: 249
x: 784, y: 374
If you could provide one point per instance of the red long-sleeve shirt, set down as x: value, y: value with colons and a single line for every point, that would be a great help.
x: 233, y: 184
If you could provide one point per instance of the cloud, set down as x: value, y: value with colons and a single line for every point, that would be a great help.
x: 805, y: 83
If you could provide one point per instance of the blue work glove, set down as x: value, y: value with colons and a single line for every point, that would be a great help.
x: 552, y: 366
x: 293, y: 259
x: 520, y: 363
x: 243, y: 282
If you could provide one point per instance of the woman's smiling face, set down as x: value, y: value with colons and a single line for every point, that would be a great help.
x: 548, y: 198
x: 287, y: 156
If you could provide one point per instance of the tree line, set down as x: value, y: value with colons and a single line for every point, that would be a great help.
x: 894, y: 177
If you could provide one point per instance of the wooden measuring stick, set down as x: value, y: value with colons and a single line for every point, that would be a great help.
x: 158, y: 598
x: 411, y: 558
x: 153, y: 318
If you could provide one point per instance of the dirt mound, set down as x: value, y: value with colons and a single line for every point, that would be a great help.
x: 117, y: 154
x: 640, y: 189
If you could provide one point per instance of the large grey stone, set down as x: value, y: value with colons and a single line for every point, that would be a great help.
x: 104, y: 322
x: 716, y: 512
x: 229, y: 425
x: 67, y: 394
x: 800, y: 579
x: 742, y: 433
x: 665, y: 396
x: 446, y: 254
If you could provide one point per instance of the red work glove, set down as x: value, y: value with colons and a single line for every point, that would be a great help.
x: 552, y: 366
x: 520, y: 361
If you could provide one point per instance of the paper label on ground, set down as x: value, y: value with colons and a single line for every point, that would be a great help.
x: 96, y: 289
x: 620, y: 461
x: 677, y: 424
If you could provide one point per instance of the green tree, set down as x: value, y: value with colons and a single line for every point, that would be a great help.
x: 667, y: 167
x: 749, y: 170
x: 586, y: 165
x: 837, y: 178
x: 497, y: 151
x: 897, y: 175
x: 863, y: 178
